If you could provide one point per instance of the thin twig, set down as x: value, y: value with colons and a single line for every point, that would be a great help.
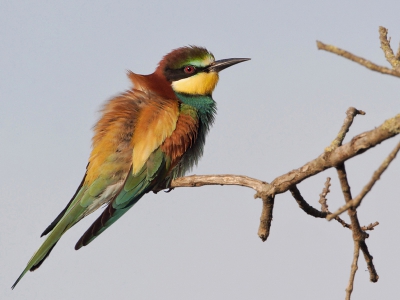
x: 387, y: 50
x: 350, y: 114
x: 363, y: 228
x: 366, y: 63
x: 370, y: 226
x: 307, y: 208
x: 324, y: 203
x: 322, y: 196
x: 354, y: 268
x: 376, y: 176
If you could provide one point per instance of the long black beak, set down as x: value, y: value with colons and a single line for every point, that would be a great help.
x: 219, y: 65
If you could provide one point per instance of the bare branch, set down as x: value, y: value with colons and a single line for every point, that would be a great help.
x: 363, y: 228
x: 308, y: 209
x: 387, y: 50
x: 376, y: 176
x: 266, y: 218
x: 224, y: 179
x: 305, y: 206
x: 358, y: 234
x: 324, y: 203
x: 356, y: 146
x: 351, y: 113
x: 354, y: 268
x: 373, y: 276
x: 370, y: 226
x: 281, y: 184
x: 322, y: 196
x: 366, y: 63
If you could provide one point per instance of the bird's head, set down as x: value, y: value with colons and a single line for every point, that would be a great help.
x: 193, y: 70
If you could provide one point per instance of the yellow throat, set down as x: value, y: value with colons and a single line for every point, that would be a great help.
x: 199, y: 84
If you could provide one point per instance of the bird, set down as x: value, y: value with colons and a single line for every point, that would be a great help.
x: 145, y: 138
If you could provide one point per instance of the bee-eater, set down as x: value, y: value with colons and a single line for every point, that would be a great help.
x: 145, y: 138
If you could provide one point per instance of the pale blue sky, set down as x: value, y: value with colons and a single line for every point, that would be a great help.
x: 60, y: 62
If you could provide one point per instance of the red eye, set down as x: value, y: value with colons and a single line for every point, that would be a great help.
x: 189, y: 69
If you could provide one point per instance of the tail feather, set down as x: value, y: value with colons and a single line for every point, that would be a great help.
x: 39, y: 263
x: 93, y: 230
x: 105, y: 220
x: 33, y: 268
x: 38, y: 258
x: 56, y: 220
x: 66, y: 222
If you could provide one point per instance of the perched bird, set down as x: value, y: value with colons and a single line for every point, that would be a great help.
x: 146, y: 137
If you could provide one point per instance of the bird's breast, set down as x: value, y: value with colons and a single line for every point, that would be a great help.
x: 183, y: 137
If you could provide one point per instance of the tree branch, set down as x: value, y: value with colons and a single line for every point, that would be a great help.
x: 322, y: 197
x: 362, y: 61
x: 359, y: 235
x: 283, y: 183
x: 350, y: 113
x: 387, y: 50
x: 307, y: 208
x: 354, y: 268
x: 370, y: 226
x: 373, y: 276
x: 266, y: 217
x: 375, y: 177
x: 223, y: 179
x: 359, y: 144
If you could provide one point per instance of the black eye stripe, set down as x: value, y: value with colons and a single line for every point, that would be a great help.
x: 177, y: 74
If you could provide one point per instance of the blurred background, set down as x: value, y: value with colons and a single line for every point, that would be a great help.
x: 59, y: 62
